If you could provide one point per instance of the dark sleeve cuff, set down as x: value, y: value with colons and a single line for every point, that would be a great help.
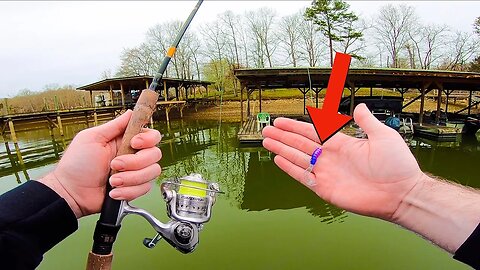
x: 469, y: 251
x: 33, y: 219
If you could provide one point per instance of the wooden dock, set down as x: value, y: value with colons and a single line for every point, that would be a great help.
x: 440, y: 133
x: 248, y: 132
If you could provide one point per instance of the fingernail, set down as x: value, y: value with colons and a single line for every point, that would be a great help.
x: 116, y: 181
x: 137, y: 142
x: 117, y: 164
x: 115, y: 194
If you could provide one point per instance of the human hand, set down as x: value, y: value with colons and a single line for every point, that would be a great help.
x: 365, y: 176
x: 80, y: 176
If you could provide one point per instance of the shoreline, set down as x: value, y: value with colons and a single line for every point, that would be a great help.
x: 230, y: 110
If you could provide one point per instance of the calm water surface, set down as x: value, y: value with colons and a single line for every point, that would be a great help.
x: 265, y: 220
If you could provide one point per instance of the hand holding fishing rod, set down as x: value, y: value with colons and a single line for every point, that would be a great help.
x: 189, y: 199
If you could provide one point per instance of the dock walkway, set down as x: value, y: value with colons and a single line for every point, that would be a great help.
x: 248, y: 132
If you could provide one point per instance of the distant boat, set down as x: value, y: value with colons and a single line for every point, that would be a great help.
x: 381, y: 106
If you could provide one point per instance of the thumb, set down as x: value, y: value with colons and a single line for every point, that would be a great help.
x: 114, y: 128
x: 368, y: 122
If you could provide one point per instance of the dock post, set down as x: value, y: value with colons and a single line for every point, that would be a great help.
x: 123, y: 95
x: 241, y: 103
x: 439, y: 101
x: 167, y: 111
x: 54, y: 143
x: 60, y: 126
x: 352, y: 97
x: 151, y: 121
x: 10, y: 156
x: 248, y: 102
x: 91, y: 99
x: 304, y: 92
x: 447, y: 93
x: 111, y: 95
x: 95, y: 118
x: 422, y: 104
x: 13, y: 134
x: 182, y: 106
x: 260, y: 99
x: 165, y: 89
x: 86, y: 119
x: 469, y: 101
x: 59, y: 119
x: 177, y: 93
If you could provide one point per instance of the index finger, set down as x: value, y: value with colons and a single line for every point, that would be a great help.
x: 145, y: 139
x: 308, y: 130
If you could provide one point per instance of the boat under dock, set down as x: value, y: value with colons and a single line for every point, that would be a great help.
x: 439, y: 133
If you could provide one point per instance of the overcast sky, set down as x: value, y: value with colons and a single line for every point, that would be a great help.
x: 74, y: 42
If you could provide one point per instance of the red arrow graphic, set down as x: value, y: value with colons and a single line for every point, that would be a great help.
x: 327, y: 120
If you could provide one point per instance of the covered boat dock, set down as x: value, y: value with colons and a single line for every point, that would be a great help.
x: 447, y: 83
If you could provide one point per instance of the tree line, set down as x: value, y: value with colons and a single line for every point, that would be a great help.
x: 395, y: 37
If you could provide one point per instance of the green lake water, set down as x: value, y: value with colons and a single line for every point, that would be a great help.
x: 266, y: 220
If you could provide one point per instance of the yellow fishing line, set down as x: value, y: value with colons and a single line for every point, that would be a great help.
x: 199, y: 191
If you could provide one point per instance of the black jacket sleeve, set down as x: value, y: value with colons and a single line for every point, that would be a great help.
x: 469, y: 251
x: 33, y: 218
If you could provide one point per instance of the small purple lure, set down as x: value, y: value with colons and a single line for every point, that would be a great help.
x: 316, y: 154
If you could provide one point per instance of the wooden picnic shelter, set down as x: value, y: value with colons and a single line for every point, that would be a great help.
x: 125, y: 86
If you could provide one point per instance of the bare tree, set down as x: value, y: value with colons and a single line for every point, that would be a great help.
x: 289, y: 34
x: 231, y: 22
x: 392, y: 27
x: 232, y: 31
x: 214, y: 38
x: 353, y: 43
x: 106, y: 74
x: 312, y: 46
x: 260, y: 24
x: 427, y: 44
x: 137, y: 61
x: 161, y: 36
x: 461, y: 49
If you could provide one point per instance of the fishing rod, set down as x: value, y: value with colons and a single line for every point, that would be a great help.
x: 156, y: 83
x: 189, y: 199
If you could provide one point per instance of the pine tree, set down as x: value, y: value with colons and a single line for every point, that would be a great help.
x: 334, y: 21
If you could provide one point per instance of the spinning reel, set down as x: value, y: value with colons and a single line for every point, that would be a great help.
x: 189, y: 205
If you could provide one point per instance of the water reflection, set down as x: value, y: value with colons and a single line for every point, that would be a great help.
x: 456, y: 161
x: 269, y: 188
x: 248, y: 174
x: 37, y: 148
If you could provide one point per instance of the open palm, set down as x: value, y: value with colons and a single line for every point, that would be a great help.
x: 366, y: 176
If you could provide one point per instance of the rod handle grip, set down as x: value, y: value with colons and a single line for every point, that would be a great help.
x: 144, y: 108
x: 99, y: 262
